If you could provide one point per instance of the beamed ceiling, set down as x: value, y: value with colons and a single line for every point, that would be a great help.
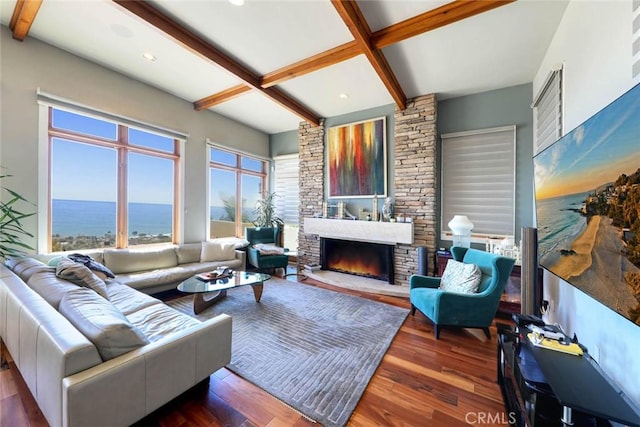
x: 271, y: 63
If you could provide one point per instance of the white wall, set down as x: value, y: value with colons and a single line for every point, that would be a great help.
x: 594, y: 42
x: 27, y: 65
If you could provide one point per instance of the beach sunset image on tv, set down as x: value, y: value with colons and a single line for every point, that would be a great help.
x: 587, y: 189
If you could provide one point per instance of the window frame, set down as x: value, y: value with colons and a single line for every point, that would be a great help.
x: 478, y: 235
x: 239, y: 172
x: 123, y: 149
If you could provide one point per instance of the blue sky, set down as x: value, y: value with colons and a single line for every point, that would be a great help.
x: 595, y: 153
x: 88, y: 172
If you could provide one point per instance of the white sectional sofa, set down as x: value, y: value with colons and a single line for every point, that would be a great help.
x: 155, y: 269
x: 74, y: 348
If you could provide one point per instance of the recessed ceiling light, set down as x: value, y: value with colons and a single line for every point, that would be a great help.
x: 343, y: 96
x: 237, y: 2
x: 149, y: 56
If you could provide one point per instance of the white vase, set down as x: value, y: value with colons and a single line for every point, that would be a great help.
x: 461, y: 228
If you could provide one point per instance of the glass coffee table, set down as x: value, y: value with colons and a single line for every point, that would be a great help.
x: 206, y: 293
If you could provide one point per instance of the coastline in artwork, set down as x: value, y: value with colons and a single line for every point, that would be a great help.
x: 588, y: 206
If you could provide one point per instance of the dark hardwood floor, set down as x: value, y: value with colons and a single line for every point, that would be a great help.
x: 420, y: 382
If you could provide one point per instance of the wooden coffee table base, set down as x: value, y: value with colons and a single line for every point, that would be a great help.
x: 202, y: 301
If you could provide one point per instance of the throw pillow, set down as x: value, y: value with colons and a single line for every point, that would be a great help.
x: 81, y: 276
x: 214, y: 251
x: 102, y: 323
x: 53, y: 262
x: 460, y: 277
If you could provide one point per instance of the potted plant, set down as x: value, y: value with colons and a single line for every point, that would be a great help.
x: 265, y: 212
x: 12, y: 230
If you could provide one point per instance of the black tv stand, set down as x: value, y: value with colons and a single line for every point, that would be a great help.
x: 542, y: 387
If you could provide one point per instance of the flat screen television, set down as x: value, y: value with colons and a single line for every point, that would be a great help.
x: 587, y: 197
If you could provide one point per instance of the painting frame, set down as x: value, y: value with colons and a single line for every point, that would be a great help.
x: 357, y: 159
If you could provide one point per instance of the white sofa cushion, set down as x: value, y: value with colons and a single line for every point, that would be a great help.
x: 189, y: 252
x: 127, y: 300
x: 25, y: 267
x: 159, y: 320
x: 50, y: 287
x: 122, y: 261
x: 81, y: 276
x: 216, y: 251
x: 101, y: 322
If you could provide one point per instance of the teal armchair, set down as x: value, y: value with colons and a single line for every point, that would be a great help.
x: 463, y: 310
x: 266, y: 235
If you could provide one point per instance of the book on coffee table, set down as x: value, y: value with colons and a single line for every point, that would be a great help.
x: 213, y: 275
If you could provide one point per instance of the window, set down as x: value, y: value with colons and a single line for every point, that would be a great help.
x: 478, y: 180
x: 237, y: 182
x: 547, y: 112
x: 288, y: 201
x: 110, y: 184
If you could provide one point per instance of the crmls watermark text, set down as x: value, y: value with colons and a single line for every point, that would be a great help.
x: 490, y: 418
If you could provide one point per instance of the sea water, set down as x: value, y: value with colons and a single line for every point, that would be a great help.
x: 559, y: 224
x: 95, y: 218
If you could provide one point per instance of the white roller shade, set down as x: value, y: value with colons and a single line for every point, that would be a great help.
x: 547, y: 112
x: 478, y: 180
x: 286, y: 187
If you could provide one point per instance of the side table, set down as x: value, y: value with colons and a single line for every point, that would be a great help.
x: 298, y: 272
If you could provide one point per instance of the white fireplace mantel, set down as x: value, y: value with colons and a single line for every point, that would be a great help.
x: 389, y: 233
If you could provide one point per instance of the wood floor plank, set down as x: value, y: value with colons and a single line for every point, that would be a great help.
x: 420, y: 381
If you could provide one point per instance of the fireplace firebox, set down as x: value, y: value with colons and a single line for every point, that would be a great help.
x: 373, y: 260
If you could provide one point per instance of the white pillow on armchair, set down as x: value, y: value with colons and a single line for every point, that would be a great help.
x: 460, y: 277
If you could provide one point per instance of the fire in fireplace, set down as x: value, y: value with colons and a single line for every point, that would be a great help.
x: 365, y: 259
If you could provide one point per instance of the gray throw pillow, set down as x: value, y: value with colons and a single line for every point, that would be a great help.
x: 81, y: 276
x: 460, y: 277
x: 101, y: 322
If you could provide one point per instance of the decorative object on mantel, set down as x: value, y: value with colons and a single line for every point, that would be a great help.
x: 374, y: 209
x: 340, y: 214
x: 325, y: 209
x: 461, y: 228
x: 357, y: 159
x: 348, y: 214
x: 387, y: 209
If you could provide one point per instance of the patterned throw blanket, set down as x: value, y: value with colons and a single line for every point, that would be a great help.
x: 268, y: 249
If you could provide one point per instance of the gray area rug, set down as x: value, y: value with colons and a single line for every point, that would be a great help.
x: 314, y: 349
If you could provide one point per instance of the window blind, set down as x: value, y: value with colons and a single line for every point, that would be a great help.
x: 635, y: 43
x: 286, y: 188
x: 547, y: 112
x: 478, y: 180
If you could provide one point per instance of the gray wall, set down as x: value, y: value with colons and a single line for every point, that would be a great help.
x: 507, y: 106
x: 283, y: 143
x: 26, y: 66
x: 501, y: 107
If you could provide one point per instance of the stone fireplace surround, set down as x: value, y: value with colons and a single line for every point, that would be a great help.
x: 414, y: 182
x: 387, y: 234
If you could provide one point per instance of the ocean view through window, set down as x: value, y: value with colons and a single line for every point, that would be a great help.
x: 111, y: 185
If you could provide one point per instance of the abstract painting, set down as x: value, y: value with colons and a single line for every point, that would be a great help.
x: 357, y: 159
